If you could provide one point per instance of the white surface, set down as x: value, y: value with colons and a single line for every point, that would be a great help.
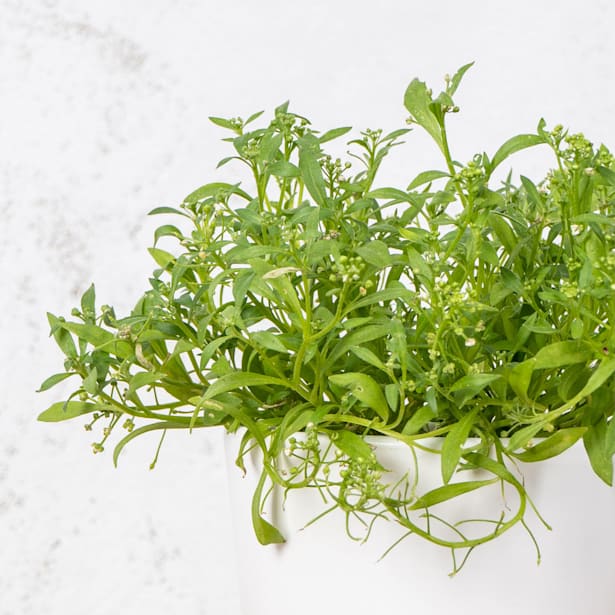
x: 103, y: 115
x: 333, y: 574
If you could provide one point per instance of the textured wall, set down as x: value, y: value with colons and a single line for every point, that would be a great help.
x: 103, y: 107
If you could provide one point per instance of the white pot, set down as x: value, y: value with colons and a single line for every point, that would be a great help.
x: 320, y: 570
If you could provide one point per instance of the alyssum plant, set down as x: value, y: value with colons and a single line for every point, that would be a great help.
x: 315, y: 307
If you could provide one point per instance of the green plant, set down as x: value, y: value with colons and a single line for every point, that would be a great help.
x: 320, y: 303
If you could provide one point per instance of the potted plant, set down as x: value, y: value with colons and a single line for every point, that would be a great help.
x: 394, y: 352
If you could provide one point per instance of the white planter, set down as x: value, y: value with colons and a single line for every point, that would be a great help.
x: 320, y: 570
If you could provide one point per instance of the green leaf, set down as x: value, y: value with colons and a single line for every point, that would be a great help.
x: 223, y: 123
x: 365, y: 389
x: 369, y: 357
x: 352, y: 445
x: 502, y: 231
x: 601, y: 374
x: 426, y: 177
x: 62, y: 337
x: 585, y: 274
x: 453, y: 444
x: 334, y: 134
x: 53, y: 380
x: 553, y: 445
x: 92, y: 334
x: 356, y: 338
x: 283, y: 168
x: 417, y: 100
x: 418, y: 420
x: 395, y: 292
x: 311, y: 171
x: 596, y: 444
x: 239, y: 380
x: 166, y: 210
x: 266, y: 533
x: 375, y: 253
x: 162, y: 258
x: 213, y: 190
x: 448, y: 492
x: 62, y: 411
x: 269, y: 147
x: 141, y: 379
x: 88, y: 301
x: 499, y: 469
x: 475, y: 382
x: 241, y: 285
x: 457, y: 77
x: 521, y: 437
x: 268, y: 340
x: 166, y: 230
x: 588, y: 218
x: 418, y: 264
x: 394, y: 194
x: 609, y: 438
x: 514, y: 145
x: 532, y: 192
x: 253, y: 117
x: 469, y: 386
x: 520, y: 376
x: 391, y: 392
x: 559, y: 354
x: 286, y: 289
x: 577, y: 328
x: 607, y: 174
x: 90, y: 383
x: 211, y: 348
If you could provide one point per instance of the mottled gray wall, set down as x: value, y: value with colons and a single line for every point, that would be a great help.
x: 103, y: 107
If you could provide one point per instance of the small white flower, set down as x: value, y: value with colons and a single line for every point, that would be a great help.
x: 470, y: 341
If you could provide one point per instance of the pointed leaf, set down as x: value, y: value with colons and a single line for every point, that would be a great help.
x: 457, y: 77
x: 453, y: 444
x: 352, y: 445
x: 90, y: 383
x: 597, y: 447
x: 520, y: 376
x: 553, y: 445
x: 62, y: 411
x: 375, y: 253
x: 62, y: 337
x: 448, y: 492
x: 334, y: 134
x: 311, y: 171
x: 92, y: 334
x: 365, y: 389
x: 426, y: 177
x: 563, y: 353
x: 513, y: 145
x: 163, y: 258
x: 417, y: 100
x: 265, y: 532
x: 283, y: 168
x: 88, y: 301
x: 268, y: 340
x: 53, y: 380
x: 418, y: 420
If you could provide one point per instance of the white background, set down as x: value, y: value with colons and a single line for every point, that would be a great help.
x: 103, y: 116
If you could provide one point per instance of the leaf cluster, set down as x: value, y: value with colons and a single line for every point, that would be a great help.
x: 316, y: 301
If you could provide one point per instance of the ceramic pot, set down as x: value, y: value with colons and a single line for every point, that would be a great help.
x: 321, y: 570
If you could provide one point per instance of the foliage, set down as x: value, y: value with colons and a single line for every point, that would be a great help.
x: 316, y: 302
